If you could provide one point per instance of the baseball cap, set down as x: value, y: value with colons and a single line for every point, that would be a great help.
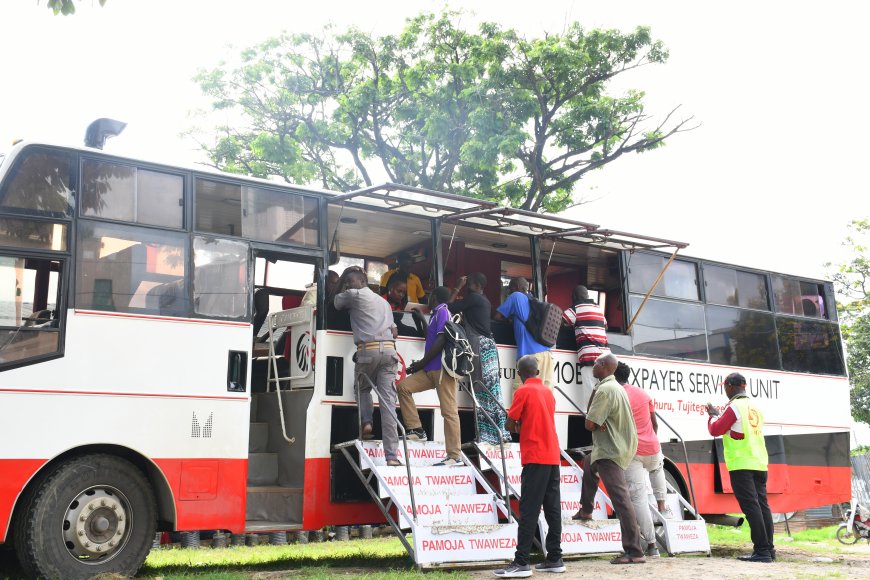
x: 734, y: 380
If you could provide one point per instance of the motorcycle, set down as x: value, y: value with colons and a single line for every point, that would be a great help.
x: 856, y: 524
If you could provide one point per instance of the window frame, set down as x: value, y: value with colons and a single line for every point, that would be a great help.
x: 626, y: 267
x: 188, y: 257
x: 61, y: 307
x: 153, y: 168
x: 242, y: 183
x: 680, y: 303
x: 766, y: 276
x: 74, y: 159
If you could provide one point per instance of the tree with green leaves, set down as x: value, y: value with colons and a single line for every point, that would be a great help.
x: 852, y: 283
x: 488, y: 113
x: 66, y: 7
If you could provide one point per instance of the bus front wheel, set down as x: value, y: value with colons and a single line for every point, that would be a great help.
x: 91, y: 515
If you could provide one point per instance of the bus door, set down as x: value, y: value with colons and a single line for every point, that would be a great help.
x: 276, y: 463
x: 283, y: 281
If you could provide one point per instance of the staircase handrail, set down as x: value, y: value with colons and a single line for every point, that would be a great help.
x: 488, y: 417
x: 393, y: 500
x: 286, y: 319
x: 404, y: 444
x: 686, y: 454
x: 570, y: 400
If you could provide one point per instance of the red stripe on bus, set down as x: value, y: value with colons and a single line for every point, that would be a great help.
x: 318, y: 510
x: 16, y: 474
x: 163, y: 318
x: 209, y: 494
x: 120, y: 394
x: 790, y: 487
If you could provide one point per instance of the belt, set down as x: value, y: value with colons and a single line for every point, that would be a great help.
x: 377, y: 345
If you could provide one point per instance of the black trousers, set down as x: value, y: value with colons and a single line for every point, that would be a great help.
x: 540, y: 487
x: 750, y: 489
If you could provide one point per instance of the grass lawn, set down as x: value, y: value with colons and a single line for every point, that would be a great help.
x: 378, y: 559
x: 819, y: 540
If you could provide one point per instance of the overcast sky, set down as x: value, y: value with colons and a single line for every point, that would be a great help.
x: 769, y: 180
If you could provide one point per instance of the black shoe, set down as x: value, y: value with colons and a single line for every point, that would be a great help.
x: 762, y: 558
x: 773, y: 554
x: 416, y: 435
x: 547, y: 566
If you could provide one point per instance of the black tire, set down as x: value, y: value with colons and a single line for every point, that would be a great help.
x: 91, y: 515
x: 847, y: 535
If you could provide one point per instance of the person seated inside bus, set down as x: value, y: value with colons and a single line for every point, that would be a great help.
x: 310, y: 297
x: 337, y: 319
x: 415, y: 292
x: 396, y: 293
x: 396, y: 297
x: 261, y: 310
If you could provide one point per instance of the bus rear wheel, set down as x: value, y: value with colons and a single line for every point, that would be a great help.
x: 91, y: 515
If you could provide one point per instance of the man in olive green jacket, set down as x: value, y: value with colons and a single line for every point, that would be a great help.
x: 614, y: 445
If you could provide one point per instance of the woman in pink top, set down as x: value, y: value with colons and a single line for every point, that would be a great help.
x: 649, y: 460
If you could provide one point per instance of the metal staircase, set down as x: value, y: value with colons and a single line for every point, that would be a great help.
x: 274, y: 496
x: 461, y: 516
x: 455, y: 516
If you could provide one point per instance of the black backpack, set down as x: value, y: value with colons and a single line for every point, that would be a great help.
x: 544, y: 322
x: 457, y: 357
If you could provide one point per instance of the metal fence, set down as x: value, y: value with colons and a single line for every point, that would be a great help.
x: 861, y: 478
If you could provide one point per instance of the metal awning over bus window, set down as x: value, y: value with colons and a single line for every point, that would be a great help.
x: 416, y: 201
x: 486, y: 215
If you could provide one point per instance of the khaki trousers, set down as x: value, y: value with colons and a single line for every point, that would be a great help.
x: 546, y: 370
x: 445, y: 386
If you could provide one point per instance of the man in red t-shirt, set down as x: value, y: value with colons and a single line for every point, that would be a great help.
x: 532, y: 415
x: 648, y: 464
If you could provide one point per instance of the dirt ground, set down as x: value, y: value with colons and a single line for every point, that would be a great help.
x: 851, y: 562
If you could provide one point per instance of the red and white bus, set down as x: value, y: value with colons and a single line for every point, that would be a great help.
x: 133, y: 389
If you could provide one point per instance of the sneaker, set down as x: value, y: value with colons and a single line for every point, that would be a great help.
x: 514, y: 570
x: 449, y: 462
x: 547, y: 566
x: 755, y: 557
x: 652, y: 551
x: 416, y: 435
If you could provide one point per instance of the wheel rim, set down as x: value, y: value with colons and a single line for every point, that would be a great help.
x: 97, y: 524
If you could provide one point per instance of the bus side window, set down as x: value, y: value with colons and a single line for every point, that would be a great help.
x: 29, y: 295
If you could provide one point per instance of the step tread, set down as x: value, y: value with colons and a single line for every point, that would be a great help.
x: 269, y: 526
x: 273, y: 489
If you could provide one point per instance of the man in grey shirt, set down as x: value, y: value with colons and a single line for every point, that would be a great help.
x: 374, y: 333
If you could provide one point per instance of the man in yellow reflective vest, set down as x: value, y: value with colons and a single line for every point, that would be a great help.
x: 742, y: 429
